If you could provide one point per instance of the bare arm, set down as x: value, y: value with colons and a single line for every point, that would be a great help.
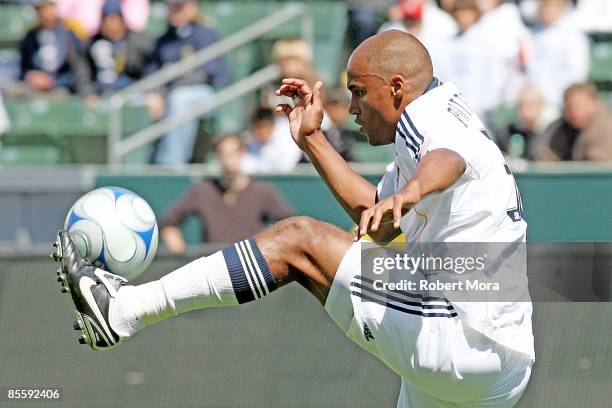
x: 352, y: 191
x: 438, y: 170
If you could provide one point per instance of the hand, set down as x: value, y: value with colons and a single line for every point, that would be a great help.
x: 156, y: 105
x: 306, y: 116
x: 173, y: 239
x: 39, y: 81
x: 91, y: 101
x: 389, y: 210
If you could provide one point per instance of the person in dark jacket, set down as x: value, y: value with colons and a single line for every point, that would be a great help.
x: 52, y: 57
x: 184, y: 37
x: 116, y: 55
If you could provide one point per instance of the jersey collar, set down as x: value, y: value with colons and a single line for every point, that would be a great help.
x: 435, y: 82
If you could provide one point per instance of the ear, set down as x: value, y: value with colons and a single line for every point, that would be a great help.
x: 398, y: 87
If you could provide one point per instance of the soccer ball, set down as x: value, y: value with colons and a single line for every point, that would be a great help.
x: 115, y: 229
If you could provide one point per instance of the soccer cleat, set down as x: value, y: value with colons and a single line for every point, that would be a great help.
x: 92, y: 291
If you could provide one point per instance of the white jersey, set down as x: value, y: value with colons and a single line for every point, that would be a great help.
x: 482, y: 206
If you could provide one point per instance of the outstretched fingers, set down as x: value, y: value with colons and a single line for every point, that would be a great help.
x: 284, y: 108
x: 287, y: 90
x: 300, y: 86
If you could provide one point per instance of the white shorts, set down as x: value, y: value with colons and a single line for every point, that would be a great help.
x: 442, y: 361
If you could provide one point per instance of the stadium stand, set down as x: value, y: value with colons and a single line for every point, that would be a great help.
x: 227, y: 17
x: 46, y: 132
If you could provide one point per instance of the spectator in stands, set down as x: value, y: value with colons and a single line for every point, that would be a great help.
x: 502, y: 22
x: 85, y: 16
x: 336, y: 107
x: 585, y: 117
x: 364, y: 18
x: 423, y: 19
x: 560, y: 51
x: 594, y: 15
x: 473, y: 60
x: 184, y: 37
x: 116, y: 55
x: 590, y: 114
x: 52, y: 57
x: 445, y: 5
x: 532, y: 118
x: 229, y: 208
x: 270, y: 147
x: 295, y: 59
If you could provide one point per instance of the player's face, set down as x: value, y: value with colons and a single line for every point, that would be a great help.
x: 372, y: 103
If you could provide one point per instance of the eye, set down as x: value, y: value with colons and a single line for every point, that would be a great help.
x: 358, y: 92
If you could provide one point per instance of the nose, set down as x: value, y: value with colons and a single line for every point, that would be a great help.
x: 354, y: 107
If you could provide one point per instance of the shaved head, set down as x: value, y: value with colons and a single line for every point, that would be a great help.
x: 386, y: 73
x: 396, y: 52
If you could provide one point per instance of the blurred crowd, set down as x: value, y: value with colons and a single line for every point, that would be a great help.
x: 527, y: 59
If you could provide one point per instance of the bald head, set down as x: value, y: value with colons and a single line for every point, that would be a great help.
x: 391, y: 53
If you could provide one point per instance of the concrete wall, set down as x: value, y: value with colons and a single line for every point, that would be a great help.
x: 560, y: 206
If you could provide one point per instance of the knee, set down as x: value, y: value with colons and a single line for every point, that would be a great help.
x: 300, y: 228
x: 295, y: 235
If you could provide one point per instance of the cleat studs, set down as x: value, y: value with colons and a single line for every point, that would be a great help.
x: 65, y: 289
x: 77, y: 325
x: 61, y: 277
x: 83, y: 339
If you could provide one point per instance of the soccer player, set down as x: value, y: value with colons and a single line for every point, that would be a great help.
x: 448, y: 183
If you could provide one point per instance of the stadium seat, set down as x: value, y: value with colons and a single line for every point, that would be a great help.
x: 330, y: 21
x: 330, y: 27
x: 601, y: 58
x: 157, y: 19
x: 33, y: 155
x: 77, y: 131
x: 232, y: 117
x: 15, y: 21
x: 504, y: 115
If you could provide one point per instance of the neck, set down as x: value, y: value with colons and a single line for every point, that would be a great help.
x: 48, y: 25
x: 236, y: 182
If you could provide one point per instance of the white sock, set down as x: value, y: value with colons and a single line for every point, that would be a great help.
x: 235, y: 275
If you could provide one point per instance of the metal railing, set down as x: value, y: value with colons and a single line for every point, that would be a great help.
x: 117, y: 147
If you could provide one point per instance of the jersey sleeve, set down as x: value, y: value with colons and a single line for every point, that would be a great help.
x: 388, y: 183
